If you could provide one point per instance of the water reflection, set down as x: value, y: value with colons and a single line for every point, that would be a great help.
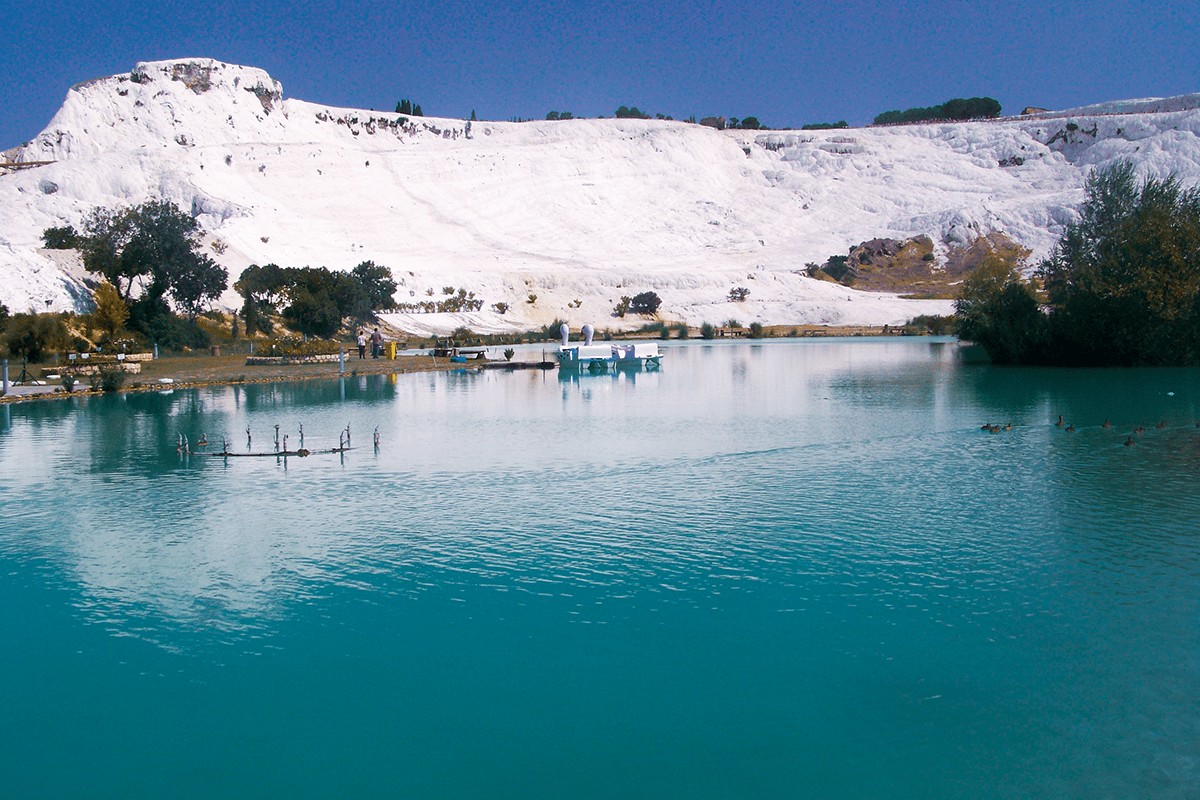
x: 773, y: 443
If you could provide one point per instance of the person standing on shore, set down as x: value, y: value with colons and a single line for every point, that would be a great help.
x: 361, y: 341
x: 376, y: 343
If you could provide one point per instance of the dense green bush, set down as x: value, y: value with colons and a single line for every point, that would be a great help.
x: 108, y: 379
x: 168, y: 331
x: 933, y: 324
x: 34, y: 336
x: 756, y: 330
x: 708, y: 331
x: 297, y: 346
x: 998, y: 309
x: 627, y: 112
x: 825, y: 126
x: 1122, y: 284
x: 63, y: 238
x: 1124, y: 281
x: 645, y: 303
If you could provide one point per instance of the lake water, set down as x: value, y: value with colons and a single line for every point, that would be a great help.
x: 784, y: 569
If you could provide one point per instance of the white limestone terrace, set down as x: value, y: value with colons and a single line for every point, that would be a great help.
x: 576, y: 212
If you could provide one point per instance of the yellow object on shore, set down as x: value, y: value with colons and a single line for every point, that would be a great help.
x: 391, y: 350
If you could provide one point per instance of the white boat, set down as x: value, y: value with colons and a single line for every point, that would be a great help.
x: 598, y: 358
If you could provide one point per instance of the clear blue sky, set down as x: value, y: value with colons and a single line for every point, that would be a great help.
x: 787, y: 63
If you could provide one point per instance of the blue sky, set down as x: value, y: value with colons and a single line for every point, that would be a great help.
x: 787, y: 63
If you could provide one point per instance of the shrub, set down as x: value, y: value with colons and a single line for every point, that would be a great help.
x: 108, y: 379
x: 732, y: 323
x: 934, y: 324
x: 171, y: 332
x: 531, y: 299
x: 68, y: 382
x: 622, y: 306
x: 708, y: 331
x: 500, y: 308
x: 738, y: 294
x: 64, y: 238
x: 509, y: 353
x: 756, y: 330
x: 645, y: 303
x: 32, y: 336
x: 296, y: 346
x: 682, y: 332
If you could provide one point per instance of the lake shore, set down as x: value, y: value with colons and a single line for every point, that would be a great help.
x: 203, y: 369
x: 193, y: 371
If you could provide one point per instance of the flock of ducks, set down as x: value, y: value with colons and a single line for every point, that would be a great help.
x: 281, y: 446
x: 1070, y: 428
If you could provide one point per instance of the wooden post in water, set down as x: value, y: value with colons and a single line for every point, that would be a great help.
x: 4, y: 370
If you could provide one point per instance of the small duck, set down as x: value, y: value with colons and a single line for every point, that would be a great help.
x: 1070, y: 428
x: 1129, y: 442
x: 1107, y: 424
x: 993, y: 429
x: 1060, y: 422
x: 1140, y: 429
x: 1008, y: 426
x: 1162, y: 423
x: 202, y: 441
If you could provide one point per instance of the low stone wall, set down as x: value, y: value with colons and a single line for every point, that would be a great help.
x: 89, y: 368
x: 268, y: 361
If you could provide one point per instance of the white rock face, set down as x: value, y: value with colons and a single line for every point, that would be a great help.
x: 576, y: 212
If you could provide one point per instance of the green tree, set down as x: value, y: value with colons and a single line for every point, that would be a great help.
x: 404, y: 107
x: 63, y: 238
x: 111, y: 311
x: 262, y: 289
x: 377, y: 284
x: 156, y: 245
x: 1124, y: 281
x: 751, y: 124
x: 998, y: 309
x: 32, y: 336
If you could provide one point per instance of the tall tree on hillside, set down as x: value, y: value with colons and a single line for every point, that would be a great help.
x: 155, y: 245
x: 377, y: 284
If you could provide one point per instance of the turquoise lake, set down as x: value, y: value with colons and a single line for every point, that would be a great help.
x: 794, y: 568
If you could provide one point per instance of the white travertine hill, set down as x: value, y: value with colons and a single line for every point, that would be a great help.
x: 579, y: 210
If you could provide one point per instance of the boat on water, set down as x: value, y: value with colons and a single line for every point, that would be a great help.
x: 601, y: 358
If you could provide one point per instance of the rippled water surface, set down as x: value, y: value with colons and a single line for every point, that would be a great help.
x: 788, y: 569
